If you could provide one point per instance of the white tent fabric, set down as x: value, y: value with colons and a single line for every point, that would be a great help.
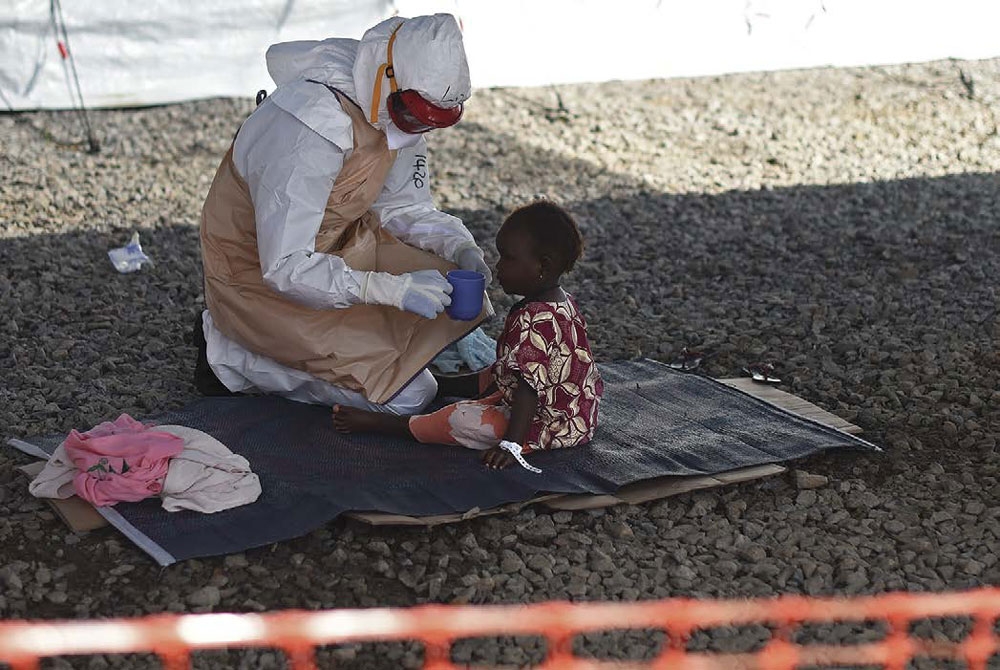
x: 158, y: 51
x: 131, y: 53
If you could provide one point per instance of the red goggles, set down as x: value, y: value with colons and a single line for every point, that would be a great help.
x: 411, y: 113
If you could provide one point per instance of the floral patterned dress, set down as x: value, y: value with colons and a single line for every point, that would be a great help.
x: 546, y: 344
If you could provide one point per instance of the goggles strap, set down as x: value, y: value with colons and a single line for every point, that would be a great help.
x: 384, y: 70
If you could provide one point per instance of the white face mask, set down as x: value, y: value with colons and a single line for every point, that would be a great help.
x: 397, y: 139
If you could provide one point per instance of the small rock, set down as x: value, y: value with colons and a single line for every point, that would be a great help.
x: 468, y: 542
x: 893, y: 526
x: 727, y: 568
x: 380, y: 548
x: 57, y: 597
x: 434, y: 587
x: 973, y: 567
x: 735, y: 509
x: 974, y: 508
x: 347, y: 652
x: 235, y: 561
x: 807, y: 480
x: 540, y: 562
x: 510, y: 562
x: 11, y: 579
x: 685, y: 573
x: 409, y: 579
x: 463, y: 595
x: 539, y: 530
x: 753, y: 553
x: 620, y: 530
x: 857, y: 580
x: 208, y: 596
x: 806, y: 498
x: 601, y: 562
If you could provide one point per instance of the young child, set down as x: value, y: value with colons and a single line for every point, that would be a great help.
x: 547, y: 384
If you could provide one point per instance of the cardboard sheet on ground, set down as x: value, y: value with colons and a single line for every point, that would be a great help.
x: 661, y: 432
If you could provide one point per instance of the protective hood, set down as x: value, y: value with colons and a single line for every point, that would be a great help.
x: 329, y: 61
x: 428, y: 56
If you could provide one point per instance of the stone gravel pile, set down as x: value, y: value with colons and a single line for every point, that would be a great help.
x: 842, y: 223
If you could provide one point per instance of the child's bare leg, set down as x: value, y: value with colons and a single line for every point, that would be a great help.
x: 458, y: 386
x: 352, y: 420
x: 471, y: 385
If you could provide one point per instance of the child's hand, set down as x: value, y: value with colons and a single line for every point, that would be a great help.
x: 496, y: 458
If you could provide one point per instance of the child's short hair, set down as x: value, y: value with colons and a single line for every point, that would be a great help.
x: 553, y: 230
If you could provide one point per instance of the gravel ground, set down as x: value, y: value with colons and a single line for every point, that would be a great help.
x: 843, y: 222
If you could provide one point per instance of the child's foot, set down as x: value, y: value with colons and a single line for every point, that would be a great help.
x: 353, y: 420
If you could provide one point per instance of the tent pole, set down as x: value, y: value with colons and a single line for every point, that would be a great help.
x: 63, y: 40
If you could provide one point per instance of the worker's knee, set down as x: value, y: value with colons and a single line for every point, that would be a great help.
x: 415, y: 396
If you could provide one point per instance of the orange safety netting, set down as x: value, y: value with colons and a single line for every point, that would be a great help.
x: 297, y: 633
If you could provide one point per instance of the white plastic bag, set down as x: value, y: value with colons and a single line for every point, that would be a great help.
x: 130, y: 257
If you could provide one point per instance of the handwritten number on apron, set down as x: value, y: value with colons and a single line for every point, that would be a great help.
x: 420, y: 171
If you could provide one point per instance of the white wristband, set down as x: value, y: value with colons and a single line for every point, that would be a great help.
x: 515, y: 449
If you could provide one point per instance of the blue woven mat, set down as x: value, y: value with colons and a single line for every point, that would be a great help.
x: 653, y: 422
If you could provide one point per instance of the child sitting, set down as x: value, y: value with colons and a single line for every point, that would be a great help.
x: 547, y: 384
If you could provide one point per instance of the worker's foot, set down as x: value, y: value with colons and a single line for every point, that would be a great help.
x: 204, y: 379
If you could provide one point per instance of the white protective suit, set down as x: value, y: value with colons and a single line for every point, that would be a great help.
x: 290, y: 151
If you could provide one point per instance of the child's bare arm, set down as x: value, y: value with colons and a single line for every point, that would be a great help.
x: 521, y: 413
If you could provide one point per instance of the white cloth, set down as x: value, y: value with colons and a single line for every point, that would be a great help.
x: 241, y: 371
x: 290, y: 151
x: 205, y: 477
x: 55, y: 479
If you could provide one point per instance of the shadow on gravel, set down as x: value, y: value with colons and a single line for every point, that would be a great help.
x: 876, y: 300
x: 81, y: 343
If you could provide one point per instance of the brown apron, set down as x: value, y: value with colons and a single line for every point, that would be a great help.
x: 373, y: 349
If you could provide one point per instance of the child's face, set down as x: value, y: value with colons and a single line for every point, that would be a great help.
x: 519, y: 268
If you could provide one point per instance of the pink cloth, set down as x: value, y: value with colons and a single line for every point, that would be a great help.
x: 120, y: 460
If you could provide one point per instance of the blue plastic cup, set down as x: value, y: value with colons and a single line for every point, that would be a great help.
x: 466, y: 295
